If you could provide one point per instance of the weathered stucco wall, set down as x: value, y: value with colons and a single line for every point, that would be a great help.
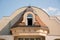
x: 53, y: 25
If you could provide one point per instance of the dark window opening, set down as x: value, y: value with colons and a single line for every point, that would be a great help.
x: 29, y: 39
x: 26, y: 38
x: 29, y: 21
x: 20, y: 38
x: 57, y: 39
x: 38, y: 38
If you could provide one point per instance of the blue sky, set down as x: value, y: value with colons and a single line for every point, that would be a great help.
x: 7, y: 7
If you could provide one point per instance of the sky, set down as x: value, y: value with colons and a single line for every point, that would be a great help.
x: 7, y: 7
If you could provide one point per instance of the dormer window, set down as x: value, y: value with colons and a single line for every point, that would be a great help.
x: 29, y: 19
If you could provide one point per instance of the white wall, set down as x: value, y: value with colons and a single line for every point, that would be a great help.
x: 52, y: 37
x: 7, y: 37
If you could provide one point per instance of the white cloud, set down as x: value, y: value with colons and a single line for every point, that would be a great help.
x: 58, y: 13
x: 52, y: 11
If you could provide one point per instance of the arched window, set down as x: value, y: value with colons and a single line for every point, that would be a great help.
x: 29, y: 19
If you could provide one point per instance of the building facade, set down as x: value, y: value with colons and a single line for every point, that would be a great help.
x: 30, y: 23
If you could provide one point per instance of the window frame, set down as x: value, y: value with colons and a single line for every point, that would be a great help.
x: 28, y: 16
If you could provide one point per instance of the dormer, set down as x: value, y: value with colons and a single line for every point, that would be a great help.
x: 29, y: 18
x: 29, y: 22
